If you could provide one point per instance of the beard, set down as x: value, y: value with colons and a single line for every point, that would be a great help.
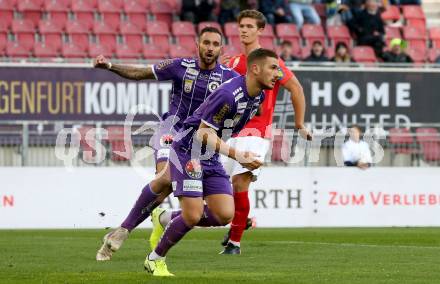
x: 208, y: 60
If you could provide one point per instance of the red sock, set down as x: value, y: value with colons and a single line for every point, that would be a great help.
x: 242, y: 208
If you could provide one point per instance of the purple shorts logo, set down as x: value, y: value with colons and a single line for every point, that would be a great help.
x: 166, y: 140
x: 194, y: 169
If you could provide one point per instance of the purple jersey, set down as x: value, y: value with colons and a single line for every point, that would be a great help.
x: 191, y: 85
x: 229, y: 107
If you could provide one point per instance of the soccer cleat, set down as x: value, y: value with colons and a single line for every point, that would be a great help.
x: 250, y: 223
x: 231, y: 249
x: 111, y: 243
x: 157, y: 267
x: 158, y: 229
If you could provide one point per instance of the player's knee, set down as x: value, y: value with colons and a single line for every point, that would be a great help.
x: 225, y: 217
x: 239, y: 186
x: 193, y: 217
x: 161, y: 184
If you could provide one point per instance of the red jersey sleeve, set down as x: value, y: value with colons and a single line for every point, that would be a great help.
x: 285, y: 73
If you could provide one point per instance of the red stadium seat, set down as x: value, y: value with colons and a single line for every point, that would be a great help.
x: 129, y: 28
x: 49, y: 26
x: 231, y: 50
x: 107, y: 6
x: 188, y: 42
x: 175, y: 5
x: 427, y: 134
x: 3, y: 38
x: 135, y: 42
x: 136, y: 6
x: 7, y: 5
x: 96, y: 49
x: 83, y: 6
x: 44, y: 51
x: 287, y: 31
x: 413, y: 12
x: 417, y: 55
x: 183, y: 29
x: 100, y: 27
x: 268, y: 32
x: 179, y: 51
x: 363, y: 54
x: 267, y: 42
x: 305, y: 52
x: 55, y: 40
x: 429, y: 140
x: 235, y: 41
x: 202, y: 25
x: 312, y: 33
x: 70, y: 50
x: 14, y: 49
x: 31, y: 10
x: 137, y: 12
x: 231, y: 30
x: 159, y: 33
x: 339, y: 34
x: 112, y: 19
x: 78, y: 34
x: 162, y: 11
x: 434, y: 36
x: 415, y: 37
x: 433, y: 54
x: 6, y: 22
x: 125, y: 51
x: 401, y: 141
x: 120, y: 146
x: 391, y: 13
x: 392, y: 32
x: 152, y: 51
x: 417, y: 23
x: 25, y: 33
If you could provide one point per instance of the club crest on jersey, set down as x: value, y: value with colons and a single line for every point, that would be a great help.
x: 188, y: 85
x: 193, y: 169
x: 166, y: 140
x: 212, y: 86
x: 280, y: 74
x: 235, y: 63
x: 220, y: 115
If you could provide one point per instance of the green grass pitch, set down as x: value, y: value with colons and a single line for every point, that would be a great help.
x: 352, y: 255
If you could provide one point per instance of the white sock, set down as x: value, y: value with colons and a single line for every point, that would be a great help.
x: 154, y: 256
x: 235, y: 243
x: 165, y: 217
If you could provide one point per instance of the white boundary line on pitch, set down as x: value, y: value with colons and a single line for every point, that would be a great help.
x: 354, y: 245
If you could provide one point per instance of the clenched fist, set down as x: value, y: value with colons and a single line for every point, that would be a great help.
x: 101, y: 62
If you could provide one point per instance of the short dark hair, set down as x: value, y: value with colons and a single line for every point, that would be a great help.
x: 258, y: 54
x: 317, y: 42
x: 210, y: 30
x: 253, y: 14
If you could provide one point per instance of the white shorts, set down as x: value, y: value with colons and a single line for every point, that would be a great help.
x: 254, y: 144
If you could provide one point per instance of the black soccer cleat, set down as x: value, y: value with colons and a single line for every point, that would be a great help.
x: 250, y: 222
x: 231, y: 249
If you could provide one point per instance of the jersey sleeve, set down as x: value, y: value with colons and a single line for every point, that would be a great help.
x: 166, y: 69
x: 285, y: 73
x: 219, y: 107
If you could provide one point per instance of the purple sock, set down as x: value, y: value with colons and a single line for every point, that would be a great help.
x: 141, y: 209
x: 174, y: 232
x: 208, y: 219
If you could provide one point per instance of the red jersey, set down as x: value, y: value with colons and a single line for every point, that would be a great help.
x: 238, y: 63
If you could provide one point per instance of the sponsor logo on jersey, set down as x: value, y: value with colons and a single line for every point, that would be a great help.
x: 188, y: 85
x: 220, y: 115
x: 280, y: 74
x: 235, y: 63
x: 166, y: 140
x: 192, y: 185
x: 192, y: 71
x: 193, y: 169
x: 163, y: 64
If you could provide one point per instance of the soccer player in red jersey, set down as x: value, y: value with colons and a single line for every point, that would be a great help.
x: 256, y: 135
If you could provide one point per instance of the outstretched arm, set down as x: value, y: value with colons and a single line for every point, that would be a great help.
x: 208, y: 136
x: 126, y: 71
x: 299, y: 105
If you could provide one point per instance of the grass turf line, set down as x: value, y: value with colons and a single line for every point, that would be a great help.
x: 336, y: 255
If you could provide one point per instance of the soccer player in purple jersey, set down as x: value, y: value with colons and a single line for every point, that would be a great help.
x: 193, y: 80
x: 196, y: 172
